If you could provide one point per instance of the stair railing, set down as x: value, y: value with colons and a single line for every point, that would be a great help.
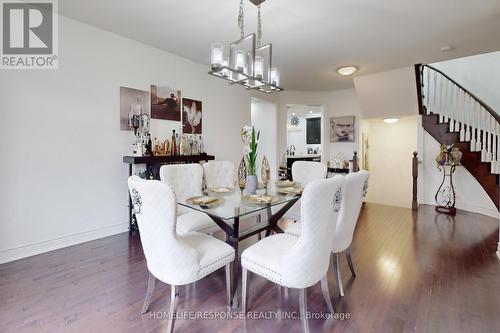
x: 466, y: 113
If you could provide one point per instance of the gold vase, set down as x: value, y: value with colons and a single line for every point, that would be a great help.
x: 242, y: 175
x: 265, y: 172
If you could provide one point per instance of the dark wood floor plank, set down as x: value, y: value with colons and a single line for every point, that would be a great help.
x: 416, y: 272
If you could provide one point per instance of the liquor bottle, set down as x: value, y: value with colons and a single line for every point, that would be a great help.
x: 182, y: 146
x: 173, y: 145
x: 190, y: 145
x: 177, y: 147
x: 202, y: 146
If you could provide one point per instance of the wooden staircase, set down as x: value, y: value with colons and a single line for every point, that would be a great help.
x: 473, y: 127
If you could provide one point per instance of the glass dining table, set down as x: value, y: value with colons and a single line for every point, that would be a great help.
x: 234, y: 206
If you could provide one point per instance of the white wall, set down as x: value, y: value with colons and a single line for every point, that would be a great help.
x: 388, y: 94
x: 334, y: 103
x: 389, y: 158
x: 480, y: 74
x: 62, y: 176
x: 264, y: 118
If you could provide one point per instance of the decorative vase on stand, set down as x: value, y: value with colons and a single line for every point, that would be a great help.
x: 252, y: 183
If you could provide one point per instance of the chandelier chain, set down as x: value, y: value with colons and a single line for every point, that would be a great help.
x: 241, y: 20
x: 259, y: 28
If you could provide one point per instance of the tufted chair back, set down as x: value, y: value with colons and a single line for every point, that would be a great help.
x: 356, y: 185
x: 185, y: 179
x: 307, y: 171
x: 219, y: 174
x: 307, y: 262
x: 167, y: 257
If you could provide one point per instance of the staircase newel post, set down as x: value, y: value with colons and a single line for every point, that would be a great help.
x: 418, y: 79
x: 414, y: 203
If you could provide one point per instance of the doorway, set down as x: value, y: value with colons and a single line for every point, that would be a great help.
x: 264, y: 118
x: 305, y: 126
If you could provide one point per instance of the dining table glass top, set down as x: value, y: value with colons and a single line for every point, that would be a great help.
x: 233, y: 204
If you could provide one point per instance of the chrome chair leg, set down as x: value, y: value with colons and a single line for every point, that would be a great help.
x: 244, y: 290
x: 349, y: 261
x: 303, y: 309
x: 336, y: 270
x: 149, y: 293
x: 228, y: 283
x: 326, y: 293
x: 174, y: 298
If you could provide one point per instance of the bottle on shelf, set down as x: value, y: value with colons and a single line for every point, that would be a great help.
x: 182, y: 146
x: 174, y: 145
x: 177, y: 147
x: 202, y: 145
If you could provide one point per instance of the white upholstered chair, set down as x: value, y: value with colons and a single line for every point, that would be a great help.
x: 355, y: 188
x: 305, y: 172
x: 172, y: 258
x: 187, y: 181
x: 219, y: 174
x: 299, y: 262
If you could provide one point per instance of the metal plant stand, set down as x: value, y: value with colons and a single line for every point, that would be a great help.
x: 445, y: 195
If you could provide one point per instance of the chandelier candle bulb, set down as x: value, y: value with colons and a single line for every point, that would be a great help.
x: 240, y: 61
x: 275, y: 76
x: 259, y: 67
x: 217, y: 55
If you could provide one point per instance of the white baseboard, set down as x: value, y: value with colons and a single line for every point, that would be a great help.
x: 483, y: 210
x: 488, y: 211
x: 60, y: 242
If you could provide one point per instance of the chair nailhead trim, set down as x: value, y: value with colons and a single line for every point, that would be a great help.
x: 269, y: 277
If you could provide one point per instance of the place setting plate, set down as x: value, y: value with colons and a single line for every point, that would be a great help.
x: 290, y: 190
x: 220, y: 190
x: 205, y: 201
x: 285, y: 183
x: 259, y: 199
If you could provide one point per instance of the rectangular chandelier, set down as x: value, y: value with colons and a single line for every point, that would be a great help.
x: 248, y: 63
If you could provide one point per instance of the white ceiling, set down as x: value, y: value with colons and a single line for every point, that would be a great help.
x: 310, y: 38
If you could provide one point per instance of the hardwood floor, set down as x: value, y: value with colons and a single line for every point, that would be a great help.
x: 415, y: 272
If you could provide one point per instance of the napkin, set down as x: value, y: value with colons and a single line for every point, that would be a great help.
x: 204, y: 200
x: 291, y: 190
x: 261, y: 198
x: 219, y: 189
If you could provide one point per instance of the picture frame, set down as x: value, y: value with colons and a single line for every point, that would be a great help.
x: 342, y: 129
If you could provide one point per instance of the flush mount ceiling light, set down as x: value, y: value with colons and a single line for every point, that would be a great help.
x: 249, y: 63
x: 391, y: 120
x: 347, y: 70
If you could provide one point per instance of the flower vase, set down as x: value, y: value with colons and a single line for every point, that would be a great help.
x: 252, y: 183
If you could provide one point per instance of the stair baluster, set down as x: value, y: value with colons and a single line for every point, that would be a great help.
x: 468, y: 118
x: 434, y: 86
x: 496, y: 168
x: 478, y: 128
x: 459, y: 114
x: 483, y: 138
